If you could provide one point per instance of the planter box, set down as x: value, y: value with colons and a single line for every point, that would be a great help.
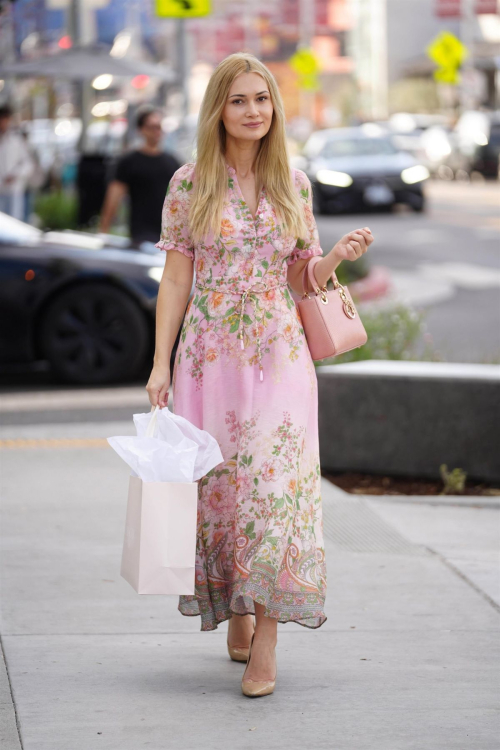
x: 407, y: 418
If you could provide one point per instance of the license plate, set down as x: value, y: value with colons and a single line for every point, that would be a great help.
x: 378, y: 194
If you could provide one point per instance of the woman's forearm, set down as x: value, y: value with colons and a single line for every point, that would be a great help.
x: 322, y: 271
x: 324, y: 268
x: 173, y: 295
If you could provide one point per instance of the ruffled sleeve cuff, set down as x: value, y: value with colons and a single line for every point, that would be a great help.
x: 300, y: 253
x: 165, y: 245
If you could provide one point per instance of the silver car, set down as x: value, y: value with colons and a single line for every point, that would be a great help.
x: 357, y: 169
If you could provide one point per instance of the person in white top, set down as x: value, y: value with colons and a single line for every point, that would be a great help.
x: 16, y: 166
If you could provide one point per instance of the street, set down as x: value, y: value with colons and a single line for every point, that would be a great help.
x: 445, y: 262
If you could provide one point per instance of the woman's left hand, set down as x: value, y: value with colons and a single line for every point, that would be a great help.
x: 353, y: 245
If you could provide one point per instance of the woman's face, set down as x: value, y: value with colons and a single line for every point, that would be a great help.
x: 248, y: 111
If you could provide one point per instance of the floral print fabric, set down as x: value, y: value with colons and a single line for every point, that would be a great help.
x: 244, y: 373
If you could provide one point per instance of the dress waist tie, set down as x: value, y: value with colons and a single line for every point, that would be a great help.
x: 245, y: 294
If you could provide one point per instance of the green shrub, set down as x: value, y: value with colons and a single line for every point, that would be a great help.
x: 57, y: 210
x: 394, y: 332
x: 453, y: 481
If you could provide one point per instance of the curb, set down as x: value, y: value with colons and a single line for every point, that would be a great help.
x: 376, y: 284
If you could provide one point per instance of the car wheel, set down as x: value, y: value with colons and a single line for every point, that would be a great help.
x: 416, y: 201
x: 93, y: 334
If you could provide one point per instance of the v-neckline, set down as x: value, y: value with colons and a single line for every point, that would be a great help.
x: 232, y: 172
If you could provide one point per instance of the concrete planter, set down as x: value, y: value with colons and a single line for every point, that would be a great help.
x: 406, y: 418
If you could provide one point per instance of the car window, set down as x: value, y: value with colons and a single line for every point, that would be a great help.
x: 15, y: 232
x: 357, y: 147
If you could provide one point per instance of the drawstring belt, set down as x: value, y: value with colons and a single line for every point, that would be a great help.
x: 244, y: 296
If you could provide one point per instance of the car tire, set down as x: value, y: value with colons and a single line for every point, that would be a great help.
x: 418, y: 203
x: 94, y: 334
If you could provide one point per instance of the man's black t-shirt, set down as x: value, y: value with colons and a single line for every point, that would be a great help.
x: 147, y: 177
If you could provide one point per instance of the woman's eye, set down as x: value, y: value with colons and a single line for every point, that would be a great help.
x: 237, y: 101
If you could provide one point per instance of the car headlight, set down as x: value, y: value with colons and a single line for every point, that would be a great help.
x: 415, y: 174
x: 329, y: 177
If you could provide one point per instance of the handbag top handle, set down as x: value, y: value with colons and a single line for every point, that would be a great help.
x: 308, y: 268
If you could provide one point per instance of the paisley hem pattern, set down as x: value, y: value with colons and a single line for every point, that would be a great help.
x: 260, y: 528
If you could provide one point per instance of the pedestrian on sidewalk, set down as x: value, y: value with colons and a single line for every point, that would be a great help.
x: 16, y: 166
x: 243, y: 370
x: 143, y: 175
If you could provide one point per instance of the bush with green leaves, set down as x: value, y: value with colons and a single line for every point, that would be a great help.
x: 394, y: 332
x: 57, y: 210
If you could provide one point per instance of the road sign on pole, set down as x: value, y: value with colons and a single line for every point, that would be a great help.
x: 183, y: 8
x: 305, y: 63
x: 448, y: 52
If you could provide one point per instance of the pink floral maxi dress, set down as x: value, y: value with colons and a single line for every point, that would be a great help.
x: 244, y: 373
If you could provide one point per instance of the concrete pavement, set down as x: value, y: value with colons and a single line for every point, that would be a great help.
x: 408, y: 658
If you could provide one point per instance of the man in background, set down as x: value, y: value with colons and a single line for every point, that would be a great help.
x: 143, y: 175
x: 16, y: 166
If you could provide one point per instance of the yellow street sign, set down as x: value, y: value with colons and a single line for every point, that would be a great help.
x: 304, y: 62
x: 447, y: 50
x: 182, y: 8
x: 447, y: 75
x: 309, y: 82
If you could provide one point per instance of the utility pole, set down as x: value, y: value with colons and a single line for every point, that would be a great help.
x: 467, y: 25
x: 182, y: 59
x: 307, y: 21
x: 379, y: 60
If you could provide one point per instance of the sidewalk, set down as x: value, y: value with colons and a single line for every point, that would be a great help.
x: 408, y: 658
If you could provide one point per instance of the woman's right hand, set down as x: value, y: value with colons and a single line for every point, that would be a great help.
x: 158, y: 385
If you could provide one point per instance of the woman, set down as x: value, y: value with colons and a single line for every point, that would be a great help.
x: 242, y: 218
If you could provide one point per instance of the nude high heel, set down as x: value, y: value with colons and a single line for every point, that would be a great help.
x: 238, y: 653
x: 255, y: 688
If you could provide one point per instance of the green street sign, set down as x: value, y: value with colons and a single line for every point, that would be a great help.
x: 183, y: 8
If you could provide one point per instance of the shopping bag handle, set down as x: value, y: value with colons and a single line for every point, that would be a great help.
x: 150, y: 430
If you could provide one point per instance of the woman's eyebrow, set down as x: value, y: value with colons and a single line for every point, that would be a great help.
x: 243, y: 96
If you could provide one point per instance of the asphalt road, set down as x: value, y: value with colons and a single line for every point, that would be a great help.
x: 445, y: 261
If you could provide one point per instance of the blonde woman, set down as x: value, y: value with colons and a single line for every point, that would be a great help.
x: 241, y: 218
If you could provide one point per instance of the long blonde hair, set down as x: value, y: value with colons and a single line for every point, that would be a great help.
x: 272, y: 168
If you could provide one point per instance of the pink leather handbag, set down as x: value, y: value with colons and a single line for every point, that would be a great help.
x: 330, y: 320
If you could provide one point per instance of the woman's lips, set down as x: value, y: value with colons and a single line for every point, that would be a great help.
x: 252, y: 124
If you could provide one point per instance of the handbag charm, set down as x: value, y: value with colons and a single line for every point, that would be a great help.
x: 330, y: 320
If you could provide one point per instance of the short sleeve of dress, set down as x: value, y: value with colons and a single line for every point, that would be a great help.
x: 307, y: 246
x: 175, y: 234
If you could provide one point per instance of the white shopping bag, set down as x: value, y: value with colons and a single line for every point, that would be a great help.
x: 167, y: 456
x: 159, y: 546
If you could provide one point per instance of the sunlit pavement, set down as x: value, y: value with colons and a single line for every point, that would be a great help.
x: 405, y: 660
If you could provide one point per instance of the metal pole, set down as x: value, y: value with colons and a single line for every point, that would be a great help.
x: 182, y: 66
x: 379, y: 61
x: 467, y: 22
x: 307, y: 21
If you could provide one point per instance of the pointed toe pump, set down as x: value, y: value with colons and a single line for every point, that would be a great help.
x: 256, y: 688
x: 238, y: 653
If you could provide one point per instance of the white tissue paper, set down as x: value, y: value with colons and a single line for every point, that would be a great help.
x: 168, y: 448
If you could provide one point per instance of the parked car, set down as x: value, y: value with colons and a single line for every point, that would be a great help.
x: 77, y: 302
x: 475, y: 146
x: 361, y: 168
